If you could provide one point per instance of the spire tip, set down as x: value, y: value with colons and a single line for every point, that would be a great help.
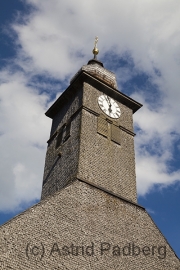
x: 95, y: 50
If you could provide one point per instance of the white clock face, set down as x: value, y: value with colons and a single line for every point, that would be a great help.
x: 109, y: 106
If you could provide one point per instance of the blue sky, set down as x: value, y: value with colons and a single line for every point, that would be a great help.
x: 43, y: 44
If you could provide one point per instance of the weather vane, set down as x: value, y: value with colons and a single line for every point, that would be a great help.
x: 95, y: 50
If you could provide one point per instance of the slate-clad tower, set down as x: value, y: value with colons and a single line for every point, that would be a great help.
x: 88, y: 217
x: 92, y: 136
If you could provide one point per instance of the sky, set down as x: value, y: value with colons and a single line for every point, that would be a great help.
x: 43, y: 44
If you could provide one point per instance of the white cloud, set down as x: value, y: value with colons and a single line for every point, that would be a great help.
x: 154, y: 147
x: 150, y: 211
x: 152, y: 169
x: 24, y: 130
x: 55, y: 40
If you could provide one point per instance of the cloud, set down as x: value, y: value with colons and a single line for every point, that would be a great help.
x: 24, y: 131
x: 158, y: 133
x: 52, y: 42
x: 150, y: 211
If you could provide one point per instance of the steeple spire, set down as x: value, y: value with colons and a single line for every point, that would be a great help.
x: 95, y: 50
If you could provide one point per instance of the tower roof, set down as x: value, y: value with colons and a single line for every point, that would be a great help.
x: 96, y: 68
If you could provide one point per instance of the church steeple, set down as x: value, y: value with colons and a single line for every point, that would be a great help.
x: 92, y: 138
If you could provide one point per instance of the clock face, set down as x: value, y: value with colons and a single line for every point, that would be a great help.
x: 109, y: 106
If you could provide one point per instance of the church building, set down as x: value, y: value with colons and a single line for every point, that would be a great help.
x: 88, y: 216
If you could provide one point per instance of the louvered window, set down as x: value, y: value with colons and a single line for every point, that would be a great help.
x: 115, y: 134
x: 102, y: 126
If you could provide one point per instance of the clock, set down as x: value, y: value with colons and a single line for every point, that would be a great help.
x: 109, y: 106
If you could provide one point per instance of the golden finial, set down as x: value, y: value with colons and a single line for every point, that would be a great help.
x: 95, y: 50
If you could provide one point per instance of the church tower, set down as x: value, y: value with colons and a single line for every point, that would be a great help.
x: 92, y: 138
x: 88, y: 217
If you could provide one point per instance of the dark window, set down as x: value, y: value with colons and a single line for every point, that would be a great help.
x: 63, y: 134
x: 67, y: 131
x: 59, y: 139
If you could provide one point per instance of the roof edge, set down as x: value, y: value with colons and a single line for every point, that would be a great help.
x: 84, y: 76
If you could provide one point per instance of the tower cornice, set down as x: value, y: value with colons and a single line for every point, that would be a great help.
x: 83, y: 77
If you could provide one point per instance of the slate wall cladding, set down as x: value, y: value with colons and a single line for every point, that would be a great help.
x: 106, y: 163
x: 85, y: 217
x: 60, y: 170
x: 101, y: 161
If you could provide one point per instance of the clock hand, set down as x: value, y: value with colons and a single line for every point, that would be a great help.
x: 106, y: 98
x: 110, y: 105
